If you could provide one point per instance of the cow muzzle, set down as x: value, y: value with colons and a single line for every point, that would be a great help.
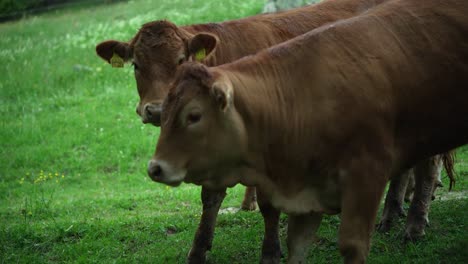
x: 163, y: 172
x: 151, y: 113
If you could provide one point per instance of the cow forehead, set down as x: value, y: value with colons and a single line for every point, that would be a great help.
x: 193, y: 72
x: 166, y: 47
x: 180, y: 94
x: 189, y: 84
x: 159, y: 38
x: 173, y: 105
x: 156, y: 30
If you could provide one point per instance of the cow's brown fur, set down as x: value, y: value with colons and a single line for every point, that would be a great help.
x: 336, y: 112
x: 160, y: 46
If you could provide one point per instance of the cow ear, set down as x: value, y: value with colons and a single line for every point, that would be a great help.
x: 202, y: 46
x: 113, y: 49
x: 223, y: 94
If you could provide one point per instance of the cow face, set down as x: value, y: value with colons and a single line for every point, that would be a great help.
x: 202, y: 135
x: 156, y: 52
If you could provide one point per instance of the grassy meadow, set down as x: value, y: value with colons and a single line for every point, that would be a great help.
x: 73, y: 155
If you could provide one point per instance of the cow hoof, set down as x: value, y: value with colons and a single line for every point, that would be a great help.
x: 271, y: 253
x: 415, y: 228
x: 383, y: 226
x: 415, y: 232
x: 196, y: 257
x: 249, y: 206
x: 270, y: 260
x: 414, y: 235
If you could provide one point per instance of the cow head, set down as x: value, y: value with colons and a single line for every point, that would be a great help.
x: 202, y: 134
x: 156, y: 51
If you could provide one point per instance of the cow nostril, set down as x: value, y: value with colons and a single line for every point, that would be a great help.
x: 154, y: 170
x: 157, y: 171
x: 148, y: 112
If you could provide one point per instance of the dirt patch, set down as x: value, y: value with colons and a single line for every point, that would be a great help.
x: 453, y: 195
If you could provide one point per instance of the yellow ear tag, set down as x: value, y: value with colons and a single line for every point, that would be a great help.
x: 200, y: 55
x: 116, y: 61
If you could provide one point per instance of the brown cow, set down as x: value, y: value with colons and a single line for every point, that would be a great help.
x: 322, y: 122
x: 160, y: 47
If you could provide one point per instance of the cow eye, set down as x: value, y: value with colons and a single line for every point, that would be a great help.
x: 193, y: 118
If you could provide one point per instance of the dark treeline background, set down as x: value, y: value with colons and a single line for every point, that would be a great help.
x: 14, y: 9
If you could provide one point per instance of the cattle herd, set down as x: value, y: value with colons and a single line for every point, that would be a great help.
x: 313, y: 109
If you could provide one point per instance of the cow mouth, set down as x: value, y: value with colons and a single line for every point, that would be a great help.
x: 167, y: 181
x: 208, y: 179
x: 173, y: 183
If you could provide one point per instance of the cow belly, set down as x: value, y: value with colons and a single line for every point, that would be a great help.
x: 306, y: 201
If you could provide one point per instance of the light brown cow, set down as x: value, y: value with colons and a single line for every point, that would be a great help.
x: 322, y: 122
x: 160, y: 47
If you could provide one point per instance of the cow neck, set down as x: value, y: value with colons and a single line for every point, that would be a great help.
x: 230, y: 46
x: 262, y: 103
x: 243, y: 37
x: 266, y: 87
x: 265, y: 84
x: 284, y: 113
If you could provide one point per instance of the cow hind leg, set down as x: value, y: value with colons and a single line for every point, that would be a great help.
x: 426, y: 174
x: 302, y: 230
x: 250, y: 199
x: 204, y: 236
x: 271, y: 249
x: 393, y: 208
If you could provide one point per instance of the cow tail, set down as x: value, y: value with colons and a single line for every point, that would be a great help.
x: 448, y: 159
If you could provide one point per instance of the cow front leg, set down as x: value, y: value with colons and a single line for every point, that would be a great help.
x: 271, y: 248
x: 302, y: 230
x: 250, y: 199
x: 393, y: 208
x: 426, y: 174
x: 363, y: 184
x: 204, y: 236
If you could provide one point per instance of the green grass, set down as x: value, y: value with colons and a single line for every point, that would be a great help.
x: 66, y: 112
